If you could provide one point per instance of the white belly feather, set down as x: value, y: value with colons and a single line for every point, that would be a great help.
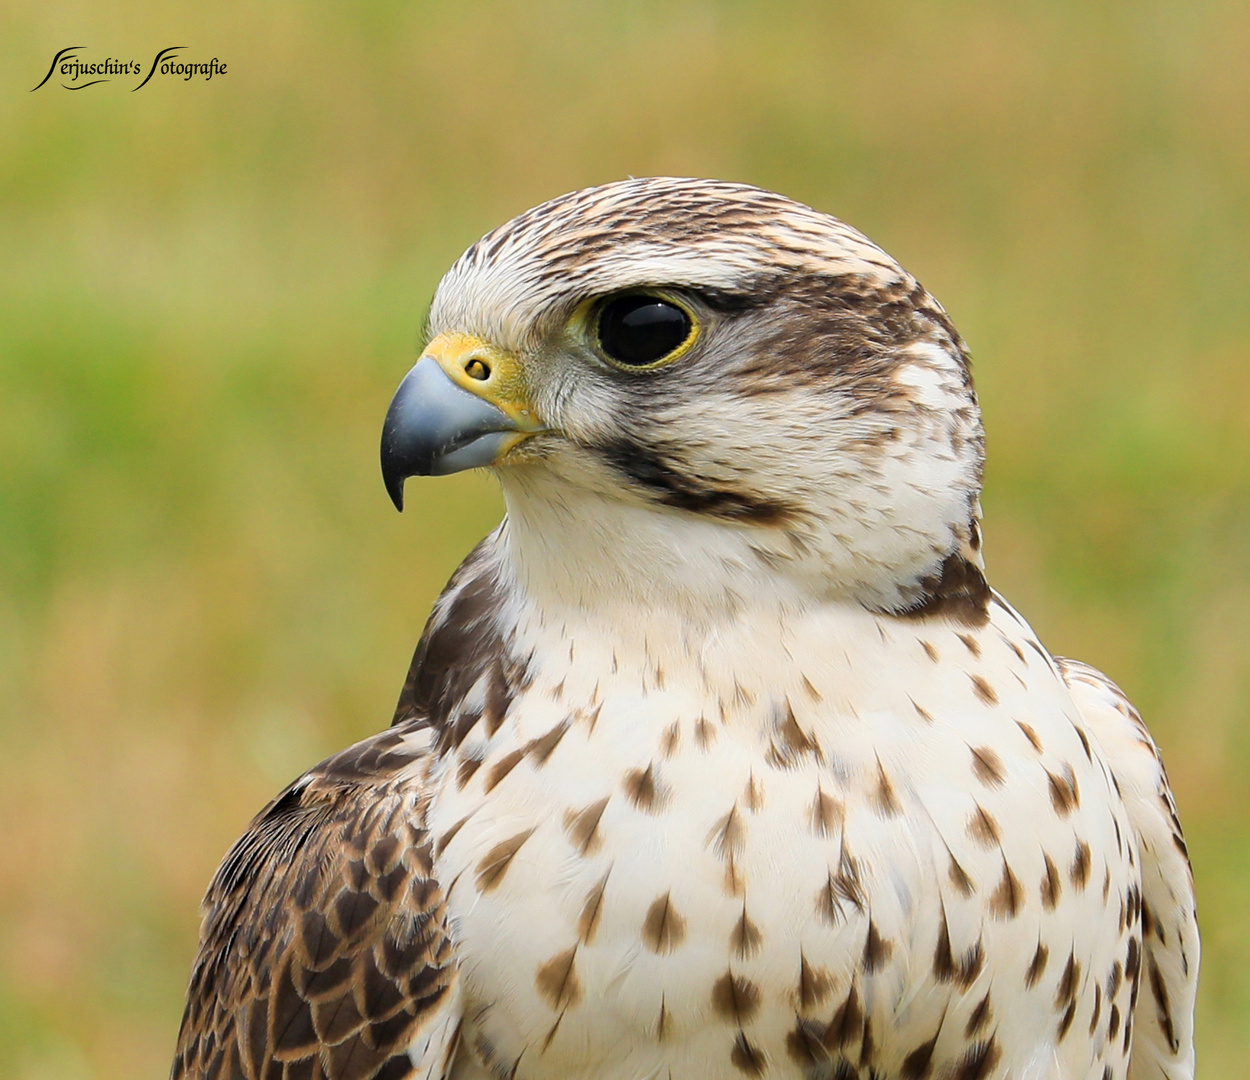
x: 884, y: 860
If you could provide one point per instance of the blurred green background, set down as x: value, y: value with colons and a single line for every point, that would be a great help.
x: 208, y: 292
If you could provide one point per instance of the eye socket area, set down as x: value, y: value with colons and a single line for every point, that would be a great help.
x: 643, y: 330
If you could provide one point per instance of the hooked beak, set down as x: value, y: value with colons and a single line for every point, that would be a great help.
x: 461, y: 407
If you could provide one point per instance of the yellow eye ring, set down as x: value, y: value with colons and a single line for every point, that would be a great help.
x: 642, y: 331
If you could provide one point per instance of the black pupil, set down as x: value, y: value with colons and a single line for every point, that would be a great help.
x: 639, y: 330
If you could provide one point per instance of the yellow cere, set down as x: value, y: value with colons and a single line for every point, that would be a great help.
x: 487, y: 371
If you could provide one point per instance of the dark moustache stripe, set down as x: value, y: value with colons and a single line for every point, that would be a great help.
x: 686, y: 492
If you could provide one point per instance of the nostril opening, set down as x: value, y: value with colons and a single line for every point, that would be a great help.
x: 477, y: 369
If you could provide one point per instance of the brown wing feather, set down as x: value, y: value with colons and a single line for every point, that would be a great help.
x: 463, y: 647
x: 324, y: 951
x: 1163, y: 1020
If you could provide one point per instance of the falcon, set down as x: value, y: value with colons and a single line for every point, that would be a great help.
x: 719, y: 758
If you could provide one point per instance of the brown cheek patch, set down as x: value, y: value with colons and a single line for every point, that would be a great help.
x: 672, y: 482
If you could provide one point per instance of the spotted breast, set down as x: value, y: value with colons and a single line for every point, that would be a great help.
x: 772, y: 861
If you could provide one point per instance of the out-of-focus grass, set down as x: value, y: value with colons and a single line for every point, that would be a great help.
x: 207, y: 293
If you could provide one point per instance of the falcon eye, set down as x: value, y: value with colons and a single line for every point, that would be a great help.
x: 638, y: 331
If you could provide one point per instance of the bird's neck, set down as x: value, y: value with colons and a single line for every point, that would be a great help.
x: 581, y: 555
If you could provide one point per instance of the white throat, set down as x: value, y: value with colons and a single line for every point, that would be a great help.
x: 589, y: 554
x: 585, y: 550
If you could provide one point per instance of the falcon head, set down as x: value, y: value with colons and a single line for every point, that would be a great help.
x: 692, y: 388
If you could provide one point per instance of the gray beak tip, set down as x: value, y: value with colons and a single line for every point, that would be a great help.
x: 395, y: 489
x: 434, y: 427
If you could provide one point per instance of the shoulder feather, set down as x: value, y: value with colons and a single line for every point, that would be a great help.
x: 1163, y: 1039
x: 324, y: 951
x: 463, y: 671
